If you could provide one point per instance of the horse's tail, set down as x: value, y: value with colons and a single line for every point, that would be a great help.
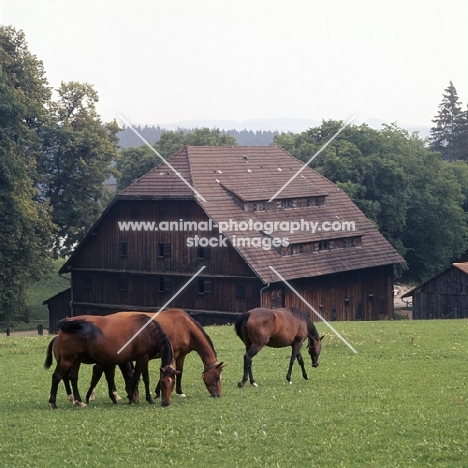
x: 80, y: 327
x: 241, y: 323
x: 48, y: 360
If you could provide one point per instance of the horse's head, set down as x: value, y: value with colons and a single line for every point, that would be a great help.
x: 212, y: 378
x: 315, y: 346
x: 167, y: 376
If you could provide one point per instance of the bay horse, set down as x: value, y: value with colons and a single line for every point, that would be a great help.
x: 186, y: 335
x: 277, y: 328
x: 111, y: 340
x: 126, y: 369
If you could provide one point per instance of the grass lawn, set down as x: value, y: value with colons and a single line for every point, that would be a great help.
x: 401, y: 401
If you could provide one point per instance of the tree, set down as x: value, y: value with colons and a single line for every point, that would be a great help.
x: 78, y: 152
x: 26, y: 228
x: 449, y: 136
x: 415, y: 198
x: 135, y: 162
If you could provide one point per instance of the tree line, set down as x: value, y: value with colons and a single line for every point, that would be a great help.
x: 152, y: 134
x: 56, y: 152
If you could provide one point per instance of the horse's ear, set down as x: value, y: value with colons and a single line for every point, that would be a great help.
x: 221, y: 365
x: 322, y: 337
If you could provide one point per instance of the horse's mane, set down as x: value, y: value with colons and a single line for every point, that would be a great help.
x: 204, y: 334
x: 165, y: 346
x: 79, y: 327
x: 303, y: 316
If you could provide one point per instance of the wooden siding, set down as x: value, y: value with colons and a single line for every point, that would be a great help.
x: 93, y: 290
x: 360, y: 295
x: 445, y: 296
x: 104, y: 249
x: 59, y: 308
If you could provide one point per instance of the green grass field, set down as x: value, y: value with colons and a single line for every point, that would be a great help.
x: 401, y: 401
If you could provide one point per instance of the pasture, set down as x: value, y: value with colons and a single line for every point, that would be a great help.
x: 401, y: 401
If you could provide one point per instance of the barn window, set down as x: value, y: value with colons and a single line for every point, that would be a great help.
x: 333, y: 314
x: 297, y: 249
x: 123, y: 248
x: 259, y: 206
x: 287, y: 203
x: 240, y: 291
x: 164, y: 250
x: 123, y: 283
x: 88, y: 282
x: 204, y: 286
x: 203, y: 253
x: 165, y: 284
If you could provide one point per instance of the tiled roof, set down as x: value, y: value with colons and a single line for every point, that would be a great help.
x: 256, y: 174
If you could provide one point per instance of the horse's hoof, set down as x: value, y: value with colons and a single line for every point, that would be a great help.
x: 79, y: 403
x: 254, y: 384
x: 182, y: 395
x: 70, y: 398
x: 53, y: 406
x: 289, y: 382
x: 117, y: 396
x: 240, y: 384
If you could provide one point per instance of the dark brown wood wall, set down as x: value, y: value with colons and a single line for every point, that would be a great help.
x: 445, y: 296
x: 59, y: 308
x: 94, y: 290
x: 103, y: 248
x: 365, y: 294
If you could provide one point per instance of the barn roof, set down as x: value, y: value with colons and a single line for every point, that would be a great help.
x: 463, y: 267
x: 223, y: 174
x: 223, y: 179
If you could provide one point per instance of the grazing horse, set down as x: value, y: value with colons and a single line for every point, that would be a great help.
x: 277, y: 328
x: 112, y: 340
x: 126, y: 369
x: 186, y: 335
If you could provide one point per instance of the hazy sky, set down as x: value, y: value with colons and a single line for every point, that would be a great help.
x: 158, y: 62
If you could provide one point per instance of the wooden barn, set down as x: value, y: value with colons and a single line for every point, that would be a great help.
x: 216, y: 208
x: 445, y: 296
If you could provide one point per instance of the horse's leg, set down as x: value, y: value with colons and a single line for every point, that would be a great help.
x: 127, y: 373
x: 296, y: 349
x: 132, y: 384
x: 66, y: 383
x: 145, y: 374
x: 74, y: 382
x: 110, y: 377
x: 56, y: 378
x: 178, y: 378
x: 301, y: 363
x: 96, y: 376
x: 251, y: 352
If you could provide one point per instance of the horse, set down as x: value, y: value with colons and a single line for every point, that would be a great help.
x: 186, y: 335
x: 277, y: 328
x: 112, y: 340
x: 125, y: 368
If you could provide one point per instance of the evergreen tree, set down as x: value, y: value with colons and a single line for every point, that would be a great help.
x: 450, y: 127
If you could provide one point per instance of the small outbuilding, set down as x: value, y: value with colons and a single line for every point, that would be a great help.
x: 442, y: 297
